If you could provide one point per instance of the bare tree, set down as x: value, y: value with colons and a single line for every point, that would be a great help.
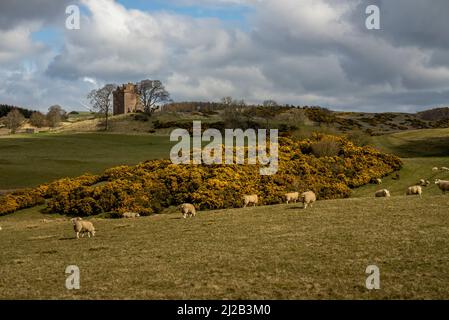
x: 101, y: 101
x: 37, y: 119
x: 227, y: 101
x: 55, y: 115
x: 14, y: 120
x: 151, y: 93
x: 270, y: 103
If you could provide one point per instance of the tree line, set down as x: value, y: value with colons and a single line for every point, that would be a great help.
x: 14, y: 117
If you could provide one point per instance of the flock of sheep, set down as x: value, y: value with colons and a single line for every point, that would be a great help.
x: 418, y: 188
x: 308, y: 198
x: 82, y: 227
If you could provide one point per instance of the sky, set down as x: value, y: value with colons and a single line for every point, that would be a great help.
x: 300, y: 52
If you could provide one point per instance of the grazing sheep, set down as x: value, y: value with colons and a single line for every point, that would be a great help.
x: 187, y: 210
x: 81, y: 226
x: 444, y: 168
x: 442, y: 184
x: 424, y: 183
x: 435, y: 169
x: 130, y: 215
x: 0, y: 228
x: 384, y: 193
x: 414, y: 190
x: 248, y: 199
x: 308, y: 198
x: 292, y: 196
x: 376, y: 181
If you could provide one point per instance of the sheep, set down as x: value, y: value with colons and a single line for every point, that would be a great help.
x: 308, y: 198
x: 444, y: 169
x: 292, y: 196
x: 248, y: 199
x: 414, y: 190
x: 81, y: 226
x: 384, y: 193
x: 397, y: 177
x: 442, y: 184
x: 130, y: 215
x: 376, y: 181
x: 187, y: 210
x: 0, y: 228
x: 435, y: 169
x: 424, y: 183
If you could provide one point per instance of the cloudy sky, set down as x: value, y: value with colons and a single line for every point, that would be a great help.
x: 301, y: 52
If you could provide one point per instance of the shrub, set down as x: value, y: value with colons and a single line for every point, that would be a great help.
x: 149, y: 187
x: 326, y: 147
x: 37, y: 119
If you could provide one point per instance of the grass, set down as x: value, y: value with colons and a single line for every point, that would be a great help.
x: 28, y: 160
x: 414, y: 169
x: 272, y: 252
x: 421, y: 150
x: 275, y: 252
x: 415, y: 143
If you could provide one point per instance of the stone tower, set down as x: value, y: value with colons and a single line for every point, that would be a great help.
x: 126, y: 99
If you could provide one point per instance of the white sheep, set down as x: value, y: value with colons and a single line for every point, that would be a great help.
x: 308, y: 198
x: 435, y: 169
x: 444, y: 168
x: 414, y: 190
x: 250, y: 199
x: 384, y: 193
x: 81, y: 226
x: 0, y: 228
x: 424, y: 183
x: 292, y: 196
x: 187, y: 210
x: 442, y: 184
x: 130, y: 215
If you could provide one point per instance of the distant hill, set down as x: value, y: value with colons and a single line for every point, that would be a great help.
x: 436, y: 114
x: 286, y: 118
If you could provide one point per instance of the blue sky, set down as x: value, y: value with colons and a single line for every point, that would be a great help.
x: 234, y: 15
x: 234, y: 12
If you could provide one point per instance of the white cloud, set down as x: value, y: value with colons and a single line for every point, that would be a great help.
x: 17, y: 44
x: 294, y: 51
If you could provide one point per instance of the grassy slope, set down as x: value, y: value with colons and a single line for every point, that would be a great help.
x: 266, y: 252
x: 421, y: 150
x: 29, y: 160
x: 416, y: 143
x: 276, y: 252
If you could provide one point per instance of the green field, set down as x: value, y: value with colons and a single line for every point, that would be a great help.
x: 415, y: 143
x: 273, y: 252
x: 421, y: 150
x: 29, y: 160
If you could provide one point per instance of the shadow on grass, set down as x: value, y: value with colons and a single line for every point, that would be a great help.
x: 67, y: 238
x: 428, y: 147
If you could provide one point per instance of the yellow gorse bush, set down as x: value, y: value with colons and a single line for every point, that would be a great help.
x: 151, y: 186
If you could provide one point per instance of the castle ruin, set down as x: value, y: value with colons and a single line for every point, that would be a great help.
x: 126, y: 99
